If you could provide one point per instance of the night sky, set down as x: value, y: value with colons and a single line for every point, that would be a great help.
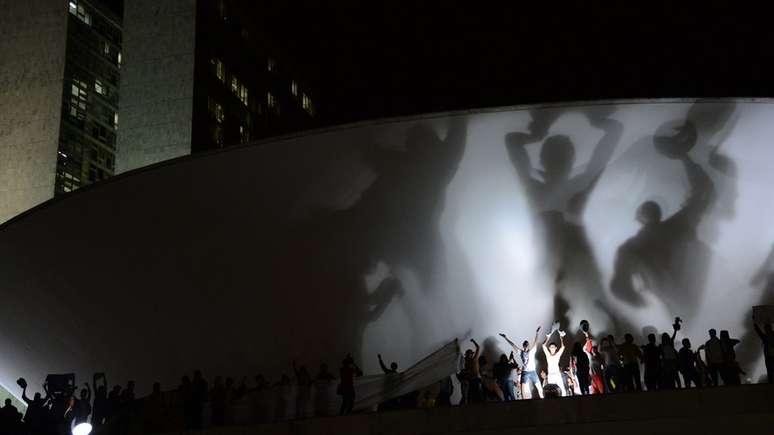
x: 377, y: 59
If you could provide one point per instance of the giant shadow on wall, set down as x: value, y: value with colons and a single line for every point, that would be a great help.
x: 395, y: 222
x: 667, y: 258
x: 558, y: 202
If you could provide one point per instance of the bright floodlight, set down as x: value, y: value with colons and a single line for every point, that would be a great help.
x: 82, y: 429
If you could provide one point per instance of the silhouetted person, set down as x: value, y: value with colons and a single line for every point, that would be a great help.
x: 529, y: 377
x: 503, y: 374
x: 470, y: 376
x: 304, y: 390
x: 666, y: 258
x: 100, y: 405
x: 10, y: 419
x: 687, y: 365
x: 323, y: 381
x: 731, y: 370
x: 393, y: 369
x: 630, y: 356
x: 651, y: 359
x: 713, y: 351
x: 609, y: 351
x: 559, y: 200
x: 582, y: 368
x: 82, y: 408
x: 155, y: 410
x: 767, y: 340
x: 217, y: 397
x: 669, y: 378
x: 36, y: 417
x: 445, y: 392
x: 199, y: 393
x: 389, y: 381
x: 349, y: 370
x: 114, y: 402
x: 260, y: 383
x: 324, y: 374
x: 185, y: 395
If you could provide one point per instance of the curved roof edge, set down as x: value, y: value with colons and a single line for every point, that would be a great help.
x: 376, y: 122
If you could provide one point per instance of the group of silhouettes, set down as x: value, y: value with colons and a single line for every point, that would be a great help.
x: 63, y: 406
x: 591, y: 367
x: 605, y: 366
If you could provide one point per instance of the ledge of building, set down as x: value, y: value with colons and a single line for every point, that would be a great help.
x: 743, y: 409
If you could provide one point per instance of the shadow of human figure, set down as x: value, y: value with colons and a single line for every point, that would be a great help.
x: 666, y: 257
x: 407, y: 199
x: 558, y: 200
x: 395, y: 223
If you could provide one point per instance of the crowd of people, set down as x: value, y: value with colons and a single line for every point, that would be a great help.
x: 605, y: 366
x: 591, y: 366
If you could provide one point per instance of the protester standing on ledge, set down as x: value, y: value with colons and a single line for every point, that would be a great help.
x: 529, y: 377
x: 349, y: 370
x: 553, y: 354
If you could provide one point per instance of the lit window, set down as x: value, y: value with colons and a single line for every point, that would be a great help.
x: 234, y: 85
x: 115, y: 121
x: 79, y: 11
x: 271, y: 64
x: 243, y: 94
x: 99, y: 87
x: 79, y: 95
x: 271, y: 102
x: 221, y: 6
x: 306, y: 103
x: 219, y: 69
x: 119, y: 58
x: 106, y: 48
x: 294, y: 88
x: 216, y: 110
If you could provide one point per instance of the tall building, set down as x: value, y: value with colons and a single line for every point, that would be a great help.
x: 201, y: 75
x: 58, y: 98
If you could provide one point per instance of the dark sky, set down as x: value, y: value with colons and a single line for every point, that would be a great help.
x: 374, y: 59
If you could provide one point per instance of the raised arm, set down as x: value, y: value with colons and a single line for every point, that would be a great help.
x: 456, y: 138
x: 24, y: 396
x: 603, y: 152
x: 512, y: 344
x: 561, y: 342
x: 475, y: 355
x: 702, y: 195
x: 381, y: 364
x: 535, y: 341
x: 516, y: 143
x: 674, y: 334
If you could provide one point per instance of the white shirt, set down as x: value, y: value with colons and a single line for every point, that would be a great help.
x: 553, y: 360
x: 528, y: 360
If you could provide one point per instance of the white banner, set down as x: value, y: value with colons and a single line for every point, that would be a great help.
x: 373, y: 390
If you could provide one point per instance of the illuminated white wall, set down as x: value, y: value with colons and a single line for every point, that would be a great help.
x: 393, y: 237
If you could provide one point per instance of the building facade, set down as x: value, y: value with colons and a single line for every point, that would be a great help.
x: 200, y: 75
x: 58, y: 98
